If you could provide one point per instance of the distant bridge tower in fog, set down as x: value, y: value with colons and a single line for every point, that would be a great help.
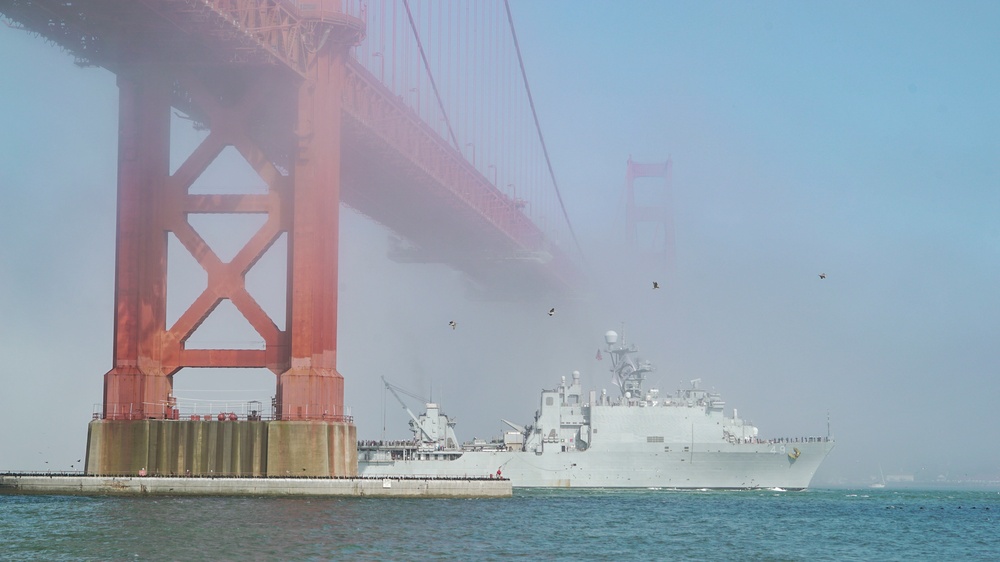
x: 649, y: 226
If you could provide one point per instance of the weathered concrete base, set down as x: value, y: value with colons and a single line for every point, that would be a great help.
x: 309, y: 448
x: 180, y: 486
x: 221, y: 448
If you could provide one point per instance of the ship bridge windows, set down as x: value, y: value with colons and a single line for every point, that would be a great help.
x: 654, y: 439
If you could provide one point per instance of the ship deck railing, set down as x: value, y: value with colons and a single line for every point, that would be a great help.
x: 389, y: 445
x: 776, y: 441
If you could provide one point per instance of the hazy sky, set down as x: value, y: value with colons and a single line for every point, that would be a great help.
x: 853, y: 138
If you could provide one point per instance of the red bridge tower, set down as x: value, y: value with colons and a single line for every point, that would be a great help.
x: 285, y: 121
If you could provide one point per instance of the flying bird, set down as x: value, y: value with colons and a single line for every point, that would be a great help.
x: 822, y: 276
x: 656, y: 285
x: 552, y: 311
x: 452, y: 324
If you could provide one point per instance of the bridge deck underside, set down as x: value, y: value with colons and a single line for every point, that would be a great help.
x: 402, y: 175
x: 114, y: 33
x: 435, y: 224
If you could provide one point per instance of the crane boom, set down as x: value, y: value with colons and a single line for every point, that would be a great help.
x: 392, y: 388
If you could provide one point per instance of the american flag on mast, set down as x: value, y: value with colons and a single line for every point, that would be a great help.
x: 599, y: 354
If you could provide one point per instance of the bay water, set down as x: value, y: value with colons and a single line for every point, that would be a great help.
x: 816, y: 524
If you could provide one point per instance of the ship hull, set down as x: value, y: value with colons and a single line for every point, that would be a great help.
x: 735, y: 466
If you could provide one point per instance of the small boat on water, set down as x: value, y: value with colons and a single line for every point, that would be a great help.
x: 638, y: 439
x: 881, y: 478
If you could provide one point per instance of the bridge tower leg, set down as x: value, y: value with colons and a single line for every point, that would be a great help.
x: 310, y: 398
x: 312, y: 388
x: 139, y: 426
x: 137, y: 381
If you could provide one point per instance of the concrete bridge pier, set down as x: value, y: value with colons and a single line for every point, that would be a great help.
x: 221, y: 448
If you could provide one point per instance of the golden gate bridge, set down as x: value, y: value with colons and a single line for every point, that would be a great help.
x: 418, y: 115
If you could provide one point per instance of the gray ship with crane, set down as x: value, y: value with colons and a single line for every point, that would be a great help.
x: 639, y: 439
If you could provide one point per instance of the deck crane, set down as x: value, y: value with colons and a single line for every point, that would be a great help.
x: 415, y: 422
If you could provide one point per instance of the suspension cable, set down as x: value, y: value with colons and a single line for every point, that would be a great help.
x: 538, y: 127
x: 427, y: 67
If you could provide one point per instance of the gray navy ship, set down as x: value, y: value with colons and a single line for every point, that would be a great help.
x: 638, y: 439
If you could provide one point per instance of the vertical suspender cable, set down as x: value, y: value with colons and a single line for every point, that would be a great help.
x: 440, y: 32
x: 394, y: 53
